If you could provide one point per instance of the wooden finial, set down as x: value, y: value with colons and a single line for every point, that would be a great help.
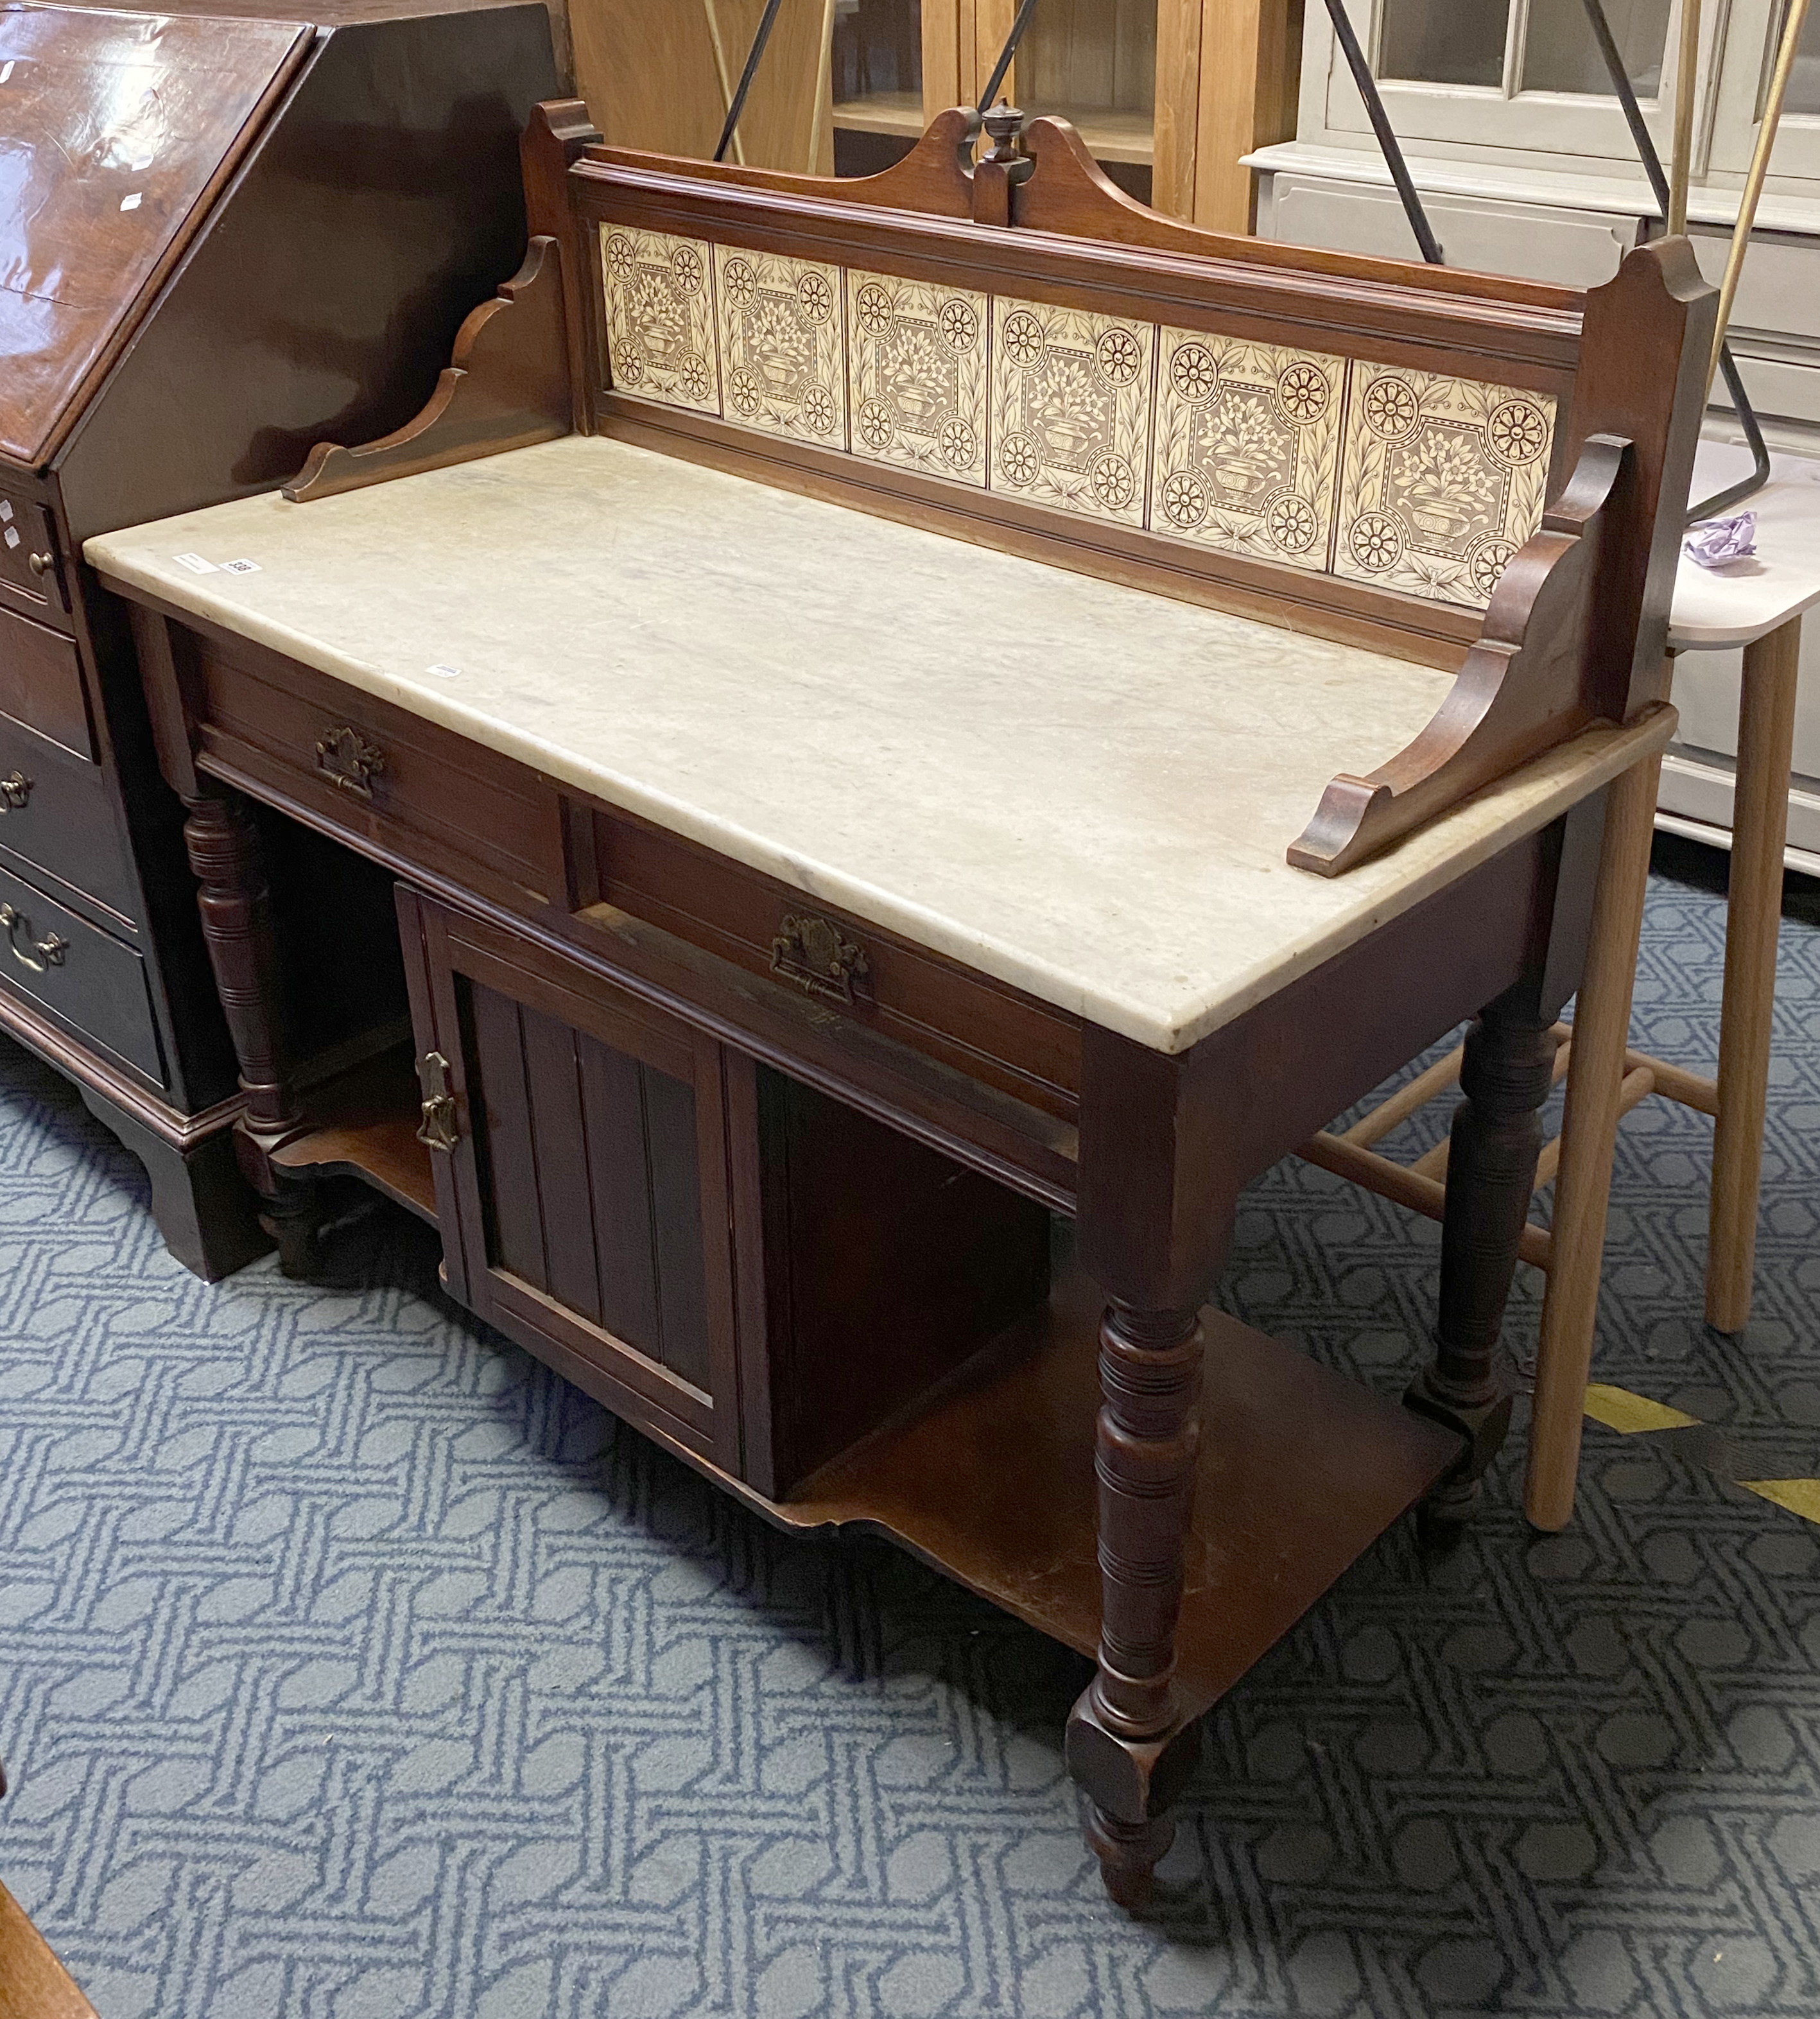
x: 1002, y: 167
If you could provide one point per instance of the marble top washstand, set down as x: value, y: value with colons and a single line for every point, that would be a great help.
x: 1083, y: 790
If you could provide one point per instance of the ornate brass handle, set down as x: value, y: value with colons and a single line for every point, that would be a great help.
x: 53, y: 947
x: 41, y: 564
x: 345, y: 755
x: 818, y: 958
x: 438, y: 1129
x: 15, y: 790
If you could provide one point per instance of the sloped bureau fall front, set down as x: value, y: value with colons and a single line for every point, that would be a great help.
x: 807, y: 911
x: 219, y: 237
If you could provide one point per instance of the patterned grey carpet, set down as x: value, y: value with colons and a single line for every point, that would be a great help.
x: 352, y: 1666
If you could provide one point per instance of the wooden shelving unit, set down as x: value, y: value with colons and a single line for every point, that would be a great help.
x: 1301, y: 1470
x: 989, y: 1476
x: 896, y: 114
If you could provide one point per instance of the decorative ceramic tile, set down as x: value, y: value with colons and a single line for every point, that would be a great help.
x: 916, y: 361
x: 1247, y: 446
x: 1071, y: 408
x: 1441, y: 480
x: 660, y: 317
x: 781, y: 358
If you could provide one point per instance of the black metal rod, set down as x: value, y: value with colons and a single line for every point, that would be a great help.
x: 1745, y: 487
x: 1620, y: 77
x: 1734, y: 494
x: 1387, y: 141
x: 767, y: 21
x: 1019, y: 24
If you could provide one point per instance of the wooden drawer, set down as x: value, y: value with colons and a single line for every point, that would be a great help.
x: 990, y: 1032
x: 31, y: 570
x: 1779, y: 291
x: 57, y: 814
x: 40, y: 683
x: 375, y: 773
x: 1572, y: 248
x: 87, y: 978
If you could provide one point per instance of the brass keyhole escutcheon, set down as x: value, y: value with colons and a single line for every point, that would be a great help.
x: 50, y: 949
x: 439, y: 1129
x: 15, y: 790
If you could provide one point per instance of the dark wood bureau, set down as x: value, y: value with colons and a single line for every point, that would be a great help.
x: 274, y: 241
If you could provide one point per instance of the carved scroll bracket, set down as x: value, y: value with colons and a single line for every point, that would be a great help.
x: 505, y: 386
x: 1529, y: 683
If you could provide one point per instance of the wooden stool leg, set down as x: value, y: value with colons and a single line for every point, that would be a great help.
x: 1507, y: 1071
x: 1589, y: 1130
x: 1759, y: 826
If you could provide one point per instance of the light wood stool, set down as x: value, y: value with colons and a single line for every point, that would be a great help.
x: 1758, y: 605
x: 33, y: 1983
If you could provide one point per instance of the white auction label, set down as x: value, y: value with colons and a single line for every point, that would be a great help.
x: 447, y: 673
x: 240, y: 567
x: 195, y: 563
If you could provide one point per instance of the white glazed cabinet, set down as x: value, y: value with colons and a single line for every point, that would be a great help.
x: 1526, y: 167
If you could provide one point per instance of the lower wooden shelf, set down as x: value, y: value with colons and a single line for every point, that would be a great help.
x: 1301, y: 1470
x: 990, y: 1478
x: 366, y: 1127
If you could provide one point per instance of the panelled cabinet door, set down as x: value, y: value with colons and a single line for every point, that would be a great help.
x: 581, y: 1173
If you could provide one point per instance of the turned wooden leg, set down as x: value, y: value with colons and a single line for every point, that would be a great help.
x: 1589, y: 1131
x: 1128, y: 1743
x: 236, y: 925
x: 1759, y: 829
x: 1496, y: 1138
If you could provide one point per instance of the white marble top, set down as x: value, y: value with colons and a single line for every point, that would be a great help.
x: 1715, y: 608
x: 1083, y: 790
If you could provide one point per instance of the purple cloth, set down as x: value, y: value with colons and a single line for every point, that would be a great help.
x: 1715, y: 541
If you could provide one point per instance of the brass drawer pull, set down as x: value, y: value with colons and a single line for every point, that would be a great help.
x: 815, y: 955
x: 438, y: 1129
x: 15, y: 790
x: 41, y: 564
x: 52, y: 948
x: 346, y: 756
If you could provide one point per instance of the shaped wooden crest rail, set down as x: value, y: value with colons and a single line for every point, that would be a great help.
x: 1574, y: 630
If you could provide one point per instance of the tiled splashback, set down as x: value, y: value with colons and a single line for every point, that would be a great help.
x: 1424, y: 484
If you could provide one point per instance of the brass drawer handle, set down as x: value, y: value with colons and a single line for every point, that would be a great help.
x: 438, y: 1129
x: 15, y: 790
x: 346, y: 756
x: 52, y: 948
x: 41, y: 564
x: 818, y: 958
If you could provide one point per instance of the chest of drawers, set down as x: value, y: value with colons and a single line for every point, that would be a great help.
x: 271, y: 236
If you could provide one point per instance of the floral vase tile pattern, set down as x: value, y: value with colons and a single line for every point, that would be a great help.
x: 783, y: 366
x: 1441, y: 481
x: 660, y: 317
x: 1071, y: 408
x: 916, y: 366
x: 1247, y: 446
